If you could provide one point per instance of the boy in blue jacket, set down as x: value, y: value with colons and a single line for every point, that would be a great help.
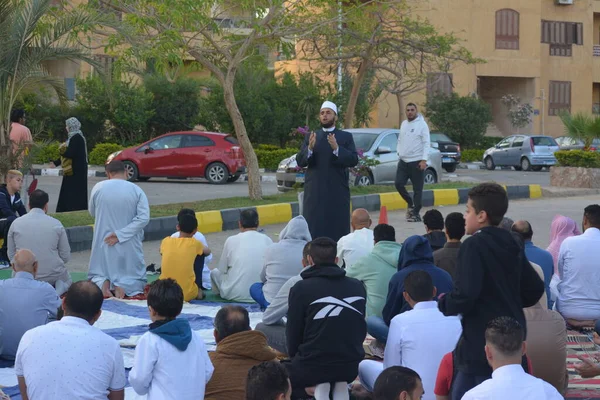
x: 11, y: 207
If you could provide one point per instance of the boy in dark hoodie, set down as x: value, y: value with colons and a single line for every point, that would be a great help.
x: 493, y: 279
x: 11, y: 207
x: 434, y: 225
x: 171, y: 361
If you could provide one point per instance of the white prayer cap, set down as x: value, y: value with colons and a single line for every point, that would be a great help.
x: 330, y: 105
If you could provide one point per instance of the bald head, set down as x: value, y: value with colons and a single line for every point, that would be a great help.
x: 25, y: 260
x: 524, y: 229
x: 360, y: 219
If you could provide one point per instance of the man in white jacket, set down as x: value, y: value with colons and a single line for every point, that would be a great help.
x: 413, y: 151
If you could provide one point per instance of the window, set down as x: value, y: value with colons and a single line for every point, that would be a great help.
x: 231, y: 139
x: 390, y: 141
x: 167, y: 142
x: 70, y: 88
x: 559, y: 98
x: 439, y: 83
x: 507, y: 29
x: 562, y: 36
x: 505, y: 143
x: 106, y: 63
x: 518, y: 141
x: 543, y: 141
x: 197, y: 141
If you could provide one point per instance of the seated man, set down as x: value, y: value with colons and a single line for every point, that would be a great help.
x: 376, y: 269
x: 268, y: 381
x: 434, y: 225
x: 71, y: 359
x: 504, y: 349
x: 326, y: 323
x: 239, y: 348
x: 179, y: 255
x: 415, y: 255
x: 201, y: 269
x: 272, y: 324
x: 241, y: 261
x: 396, y: 383
x: 26, y: 303
x: 534, y: 254
x: 447, y: 257
x: 11, y: 207
x: 46, y: 237
x: 357, y: 244
x: 418, y: 338
x: 283, y: 260
x: 579, y: 289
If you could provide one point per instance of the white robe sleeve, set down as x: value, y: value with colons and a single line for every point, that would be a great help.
x: 146, y: 356
x: 139, y: 221
x: 224, y: 261
x: 393, y: 348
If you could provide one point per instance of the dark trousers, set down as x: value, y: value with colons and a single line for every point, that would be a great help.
x: 464, y: 382
x: 4, y: 228
x: 198, y: 268
x: 404, y: 172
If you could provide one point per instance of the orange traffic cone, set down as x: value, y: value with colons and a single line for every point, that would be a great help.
x: 383, y: 217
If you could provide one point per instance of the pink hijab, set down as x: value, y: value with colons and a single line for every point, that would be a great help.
x: 562, y: 228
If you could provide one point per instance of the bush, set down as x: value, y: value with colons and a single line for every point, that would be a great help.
x: 578, y: 158
x: 471, y: 155
x: 44, y: 153
x: 268, y: 147
x: 270, y: 159
x: 101, y: 152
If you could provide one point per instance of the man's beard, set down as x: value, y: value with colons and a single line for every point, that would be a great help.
x: 327, y: 126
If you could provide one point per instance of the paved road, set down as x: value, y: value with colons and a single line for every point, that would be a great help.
x: 166, y: 191
x: 538, y: 212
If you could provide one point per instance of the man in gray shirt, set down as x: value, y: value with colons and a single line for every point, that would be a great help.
x: 46, y: 238
x: 24, y: 302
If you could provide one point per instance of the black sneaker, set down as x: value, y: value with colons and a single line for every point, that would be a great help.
x: 152, y: 270
x: 414, y: 218
x: 409, y: 212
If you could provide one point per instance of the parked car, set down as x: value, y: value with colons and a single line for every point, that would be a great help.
x: 214, y: 156
x: 377, y: 143
x: 569, y: 143
x: 450, y: 150
x: 522, y: 152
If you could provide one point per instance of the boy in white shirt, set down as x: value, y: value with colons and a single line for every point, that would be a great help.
x: 171, y: 361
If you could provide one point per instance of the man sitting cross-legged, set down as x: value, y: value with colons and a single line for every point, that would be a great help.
x: 419, y: 338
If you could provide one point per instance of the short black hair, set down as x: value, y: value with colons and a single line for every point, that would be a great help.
x: 187, y: 223
x: 384, y: 232
x: 83, y: 300
x: 455, y: 225
x: 412, y: 104
x: 16, y: 114
x: 506, y: 224
x: 592, y: 213
x: 115, y: 167
x: 231, y: 320
x: 419, y: 286
x: 491, y: 198
x: 434, y: 220
x: 393, y: 381
x: 266, y: 381
x: 249, y: 218
x: 524, y: 229
x: 306, y: 250
x: 185, y: 211
x: 323, y: 250
x: 506, y: 335
x: 38, y: 199
x: 166, y: 297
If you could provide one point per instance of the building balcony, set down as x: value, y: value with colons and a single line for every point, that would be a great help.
x: 597, y: 50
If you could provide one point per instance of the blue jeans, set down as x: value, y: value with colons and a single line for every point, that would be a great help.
x: 256, y: 292
x: 377, y: 328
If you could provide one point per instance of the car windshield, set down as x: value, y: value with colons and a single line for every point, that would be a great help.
x: 363, y: 140
x: 439, y: 137
x: 544, y: 141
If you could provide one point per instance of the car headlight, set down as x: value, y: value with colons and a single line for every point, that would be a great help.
x: 283, y: 165
x: 112, y: 156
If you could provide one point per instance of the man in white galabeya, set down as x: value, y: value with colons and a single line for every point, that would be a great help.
x: 413, y: 151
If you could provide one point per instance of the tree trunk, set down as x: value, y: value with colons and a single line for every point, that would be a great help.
x: 400, y: 100
x: 353, y: 100
x: 254, y: 188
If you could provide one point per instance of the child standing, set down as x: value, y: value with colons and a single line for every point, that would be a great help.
x: 493, y: 278
x: 179, y: 255
x: 171, y: 361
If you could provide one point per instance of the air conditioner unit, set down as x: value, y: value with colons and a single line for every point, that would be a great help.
x: 564, y: 2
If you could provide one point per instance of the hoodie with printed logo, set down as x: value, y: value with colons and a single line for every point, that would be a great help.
x: 414, y: 140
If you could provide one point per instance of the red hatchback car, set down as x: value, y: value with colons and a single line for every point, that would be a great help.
x: 214, y: 156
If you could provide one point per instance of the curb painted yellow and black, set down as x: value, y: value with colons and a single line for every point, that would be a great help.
x: 80, y: 237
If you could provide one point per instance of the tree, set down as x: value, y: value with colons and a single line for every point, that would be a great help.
x: 463, y: 118
x: 581, y: 126
x: 519, y: 114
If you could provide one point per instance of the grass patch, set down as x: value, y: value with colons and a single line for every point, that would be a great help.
x: 80, y: 218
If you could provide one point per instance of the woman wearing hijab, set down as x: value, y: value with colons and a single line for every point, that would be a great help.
x: 73, y: 191
x: 562, y: 227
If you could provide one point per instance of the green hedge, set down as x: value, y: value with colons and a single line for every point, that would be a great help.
x: 270, y: 159
x: 44, y: 153
x: 101, y: 151
x: 471, y: 155
x: 578, y: 158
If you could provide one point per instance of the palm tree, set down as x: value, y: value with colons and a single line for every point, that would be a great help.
x: 581, y: 126
x: 32, y: 33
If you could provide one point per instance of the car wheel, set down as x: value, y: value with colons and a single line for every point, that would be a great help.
x: 450, y: 168
x: 217, y: 173
x: 489, y: 163
x: 517, y: 168
x: 131, y: 171
x: 537, y: 168
x: 363, y: 180
x: 143, y: 178
x: 233, y: 178
x: 525, y: 164
x: 430, y: 177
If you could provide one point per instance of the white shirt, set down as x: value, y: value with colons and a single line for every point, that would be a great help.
x: 512, y: 382
x: 241, y: 263
x: 354, y: 246
x: 163, y: 372
x: 579, y: 289
x: 418, y: 339
x: 71, y: 360
x: 201, y: 238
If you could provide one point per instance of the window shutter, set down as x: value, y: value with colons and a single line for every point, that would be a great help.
x: 559, y: 98
x: 507, y: 29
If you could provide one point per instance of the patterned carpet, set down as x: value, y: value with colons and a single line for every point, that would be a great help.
x: 580, y: 343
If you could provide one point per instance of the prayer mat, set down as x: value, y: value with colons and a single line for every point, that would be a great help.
x: 580, y: 343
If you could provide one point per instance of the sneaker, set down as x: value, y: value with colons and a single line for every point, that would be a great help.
x: 4, y: 264
x: 152, y: 270
x: 409, y: 212
x: 414, y: 218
